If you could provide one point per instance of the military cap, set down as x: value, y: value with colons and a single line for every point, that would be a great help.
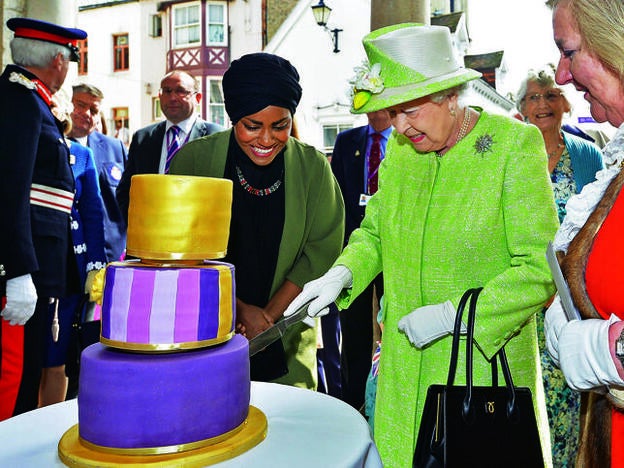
x: 30, y: 28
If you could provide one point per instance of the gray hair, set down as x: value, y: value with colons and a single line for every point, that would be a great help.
x: 35, y: 53
x: 442, y: 95
x: 88, y: 89
x: 545, y: 78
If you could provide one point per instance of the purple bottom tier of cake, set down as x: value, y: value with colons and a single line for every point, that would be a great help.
x: 135, y: 401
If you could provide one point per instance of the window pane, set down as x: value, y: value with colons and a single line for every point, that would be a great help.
x: 121, y: 52
x: 193, y: 14
x: 329, y: 135
x: 216, y: 28
x: 215, y: 13
x: 216, y: 108
x: 187, y: 25
x: 156, y: 110
x: 217, y: 114
x: 181, y: 36
x: 216, y: 94
x: 215, y: 33
x: 193, y: 34
x: 181, y: 16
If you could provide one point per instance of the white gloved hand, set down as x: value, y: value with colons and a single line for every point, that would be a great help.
x: 554, y: 321
x: 584, y: 354
x: 322, y: 292
x: 21, y: 299
x: 310, y: 322
x: 429, y: 323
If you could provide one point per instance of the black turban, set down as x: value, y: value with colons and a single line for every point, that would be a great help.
x: 258, y: 80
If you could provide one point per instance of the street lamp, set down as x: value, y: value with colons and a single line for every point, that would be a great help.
x: 321, y: 14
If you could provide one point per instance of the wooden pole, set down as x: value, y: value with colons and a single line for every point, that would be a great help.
x: 387, y: 12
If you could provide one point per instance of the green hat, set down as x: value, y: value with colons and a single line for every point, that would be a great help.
x: 405, y: 62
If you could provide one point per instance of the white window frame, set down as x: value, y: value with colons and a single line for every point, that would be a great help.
x: 175, y: 28
x: 224, y: 24
x: 340, y: 127
x: 216, y: 104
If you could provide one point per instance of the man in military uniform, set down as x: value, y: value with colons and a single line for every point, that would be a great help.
x: 37, y: 190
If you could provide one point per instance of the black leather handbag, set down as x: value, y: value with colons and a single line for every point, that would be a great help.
x: 473, y: 426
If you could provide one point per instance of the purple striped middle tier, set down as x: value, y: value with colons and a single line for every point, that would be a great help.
x: 164, y: 307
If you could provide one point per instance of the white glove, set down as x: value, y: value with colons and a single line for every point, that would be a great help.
x: 554, y: 321
x: 310, y: 322
x: 322, y: 292
x: 21, y: 299
x: 428, y: 323
x: 584, y: 354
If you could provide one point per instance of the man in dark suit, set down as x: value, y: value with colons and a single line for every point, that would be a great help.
x: 110, y: 160
x: 356, y: 172
x: 150, y: 147
x: 37, y: 190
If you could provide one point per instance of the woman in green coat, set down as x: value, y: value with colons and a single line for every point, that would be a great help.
x: 464, y: 201
x: 287, y: 210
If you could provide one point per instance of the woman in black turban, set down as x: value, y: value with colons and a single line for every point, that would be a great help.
x: 287, y: 212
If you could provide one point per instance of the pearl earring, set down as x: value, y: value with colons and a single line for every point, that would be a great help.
x: 453, y: 112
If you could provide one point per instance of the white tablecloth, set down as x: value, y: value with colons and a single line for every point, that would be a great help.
x: 305, y: 429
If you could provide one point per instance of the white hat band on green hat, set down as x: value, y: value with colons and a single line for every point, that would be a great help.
x: 407, y: 61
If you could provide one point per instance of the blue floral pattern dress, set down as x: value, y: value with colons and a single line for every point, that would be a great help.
x: 562, y: 403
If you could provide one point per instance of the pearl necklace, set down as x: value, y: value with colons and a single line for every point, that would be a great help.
x: 463, y: 130
x: 465, y: 124
x: 255, y: 191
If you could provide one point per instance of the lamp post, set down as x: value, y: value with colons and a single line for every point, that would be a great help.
x: 321, y: 14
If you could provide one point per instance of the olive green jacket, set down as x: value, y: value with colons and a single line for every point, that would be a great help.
x: 313, y: 223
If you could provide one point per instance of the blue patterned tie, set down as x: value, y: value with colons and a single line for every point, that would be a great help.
x: 173, y: 145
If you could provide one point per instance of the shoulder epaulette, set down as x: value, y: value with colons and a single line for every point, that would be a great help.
x: 16, y: 77
x: 37, y: 85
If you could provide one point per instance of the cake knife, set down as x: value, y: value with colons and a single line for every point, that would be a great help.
x: 562, y: 286
x: 274, y: 333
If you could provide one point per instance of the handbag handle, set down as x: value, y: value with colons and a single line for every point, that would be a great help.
x: 472, y: 295
x: 456, y: 334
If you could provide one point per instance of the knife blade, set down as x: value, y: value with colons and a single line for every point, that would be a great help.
x: 274, y: 333
x: 569, y: 308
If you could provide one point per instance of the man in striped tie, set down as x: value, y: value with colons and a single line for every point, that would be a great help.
x: 153, y: 148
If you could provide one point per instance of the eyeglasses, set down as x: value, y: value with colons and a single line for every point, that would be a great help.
x: 180, y: 92
x: 550, y: 96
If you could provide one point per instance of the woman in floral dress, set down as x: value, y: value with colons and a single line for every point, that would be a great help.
x: 572, y: 163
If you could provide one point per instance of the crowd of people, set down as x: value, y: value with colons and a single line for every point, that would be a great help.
x: 434, y: 196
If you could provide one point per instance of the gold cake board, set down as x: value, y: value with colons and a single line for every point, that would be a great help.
x: 75, y: 454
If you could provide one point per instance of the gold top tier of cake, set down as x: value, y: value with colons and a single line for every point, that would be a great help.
x: 175, y: 217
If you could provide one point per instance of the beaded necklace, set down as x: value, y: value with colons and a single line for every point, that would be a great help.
x: 255, y: 191
x: 553, y: 153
